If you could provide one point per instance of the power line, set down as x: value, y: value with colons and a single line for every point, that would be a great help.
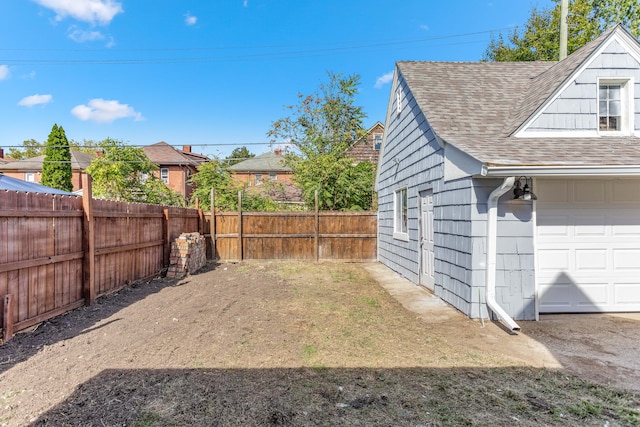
x: 249, y: 56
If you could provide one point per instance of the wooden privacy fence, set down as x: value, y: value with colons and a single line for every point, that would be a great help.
x: 58, y: 253
x: 326, y: 235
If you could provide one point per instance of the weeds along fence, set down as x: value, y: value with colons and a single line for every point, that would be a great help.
x: 58, y: 253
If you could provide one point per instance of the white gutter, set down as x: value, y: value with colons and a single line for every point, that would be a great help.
x: 566, y: 170
x: 492, y: 238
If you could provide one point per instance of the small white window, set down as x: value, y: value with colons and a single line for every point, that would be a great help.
x: 400, y: 214
x: 164, y: 175
x: 257, y: 179
x: 398, y: 104
x: 29, y: 177
x: 615, y: 106
x: 273, y: 176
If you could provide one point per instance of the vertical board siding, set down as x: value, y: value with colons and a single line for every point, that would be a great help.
x: 291, y: 235
x: 42, y: 249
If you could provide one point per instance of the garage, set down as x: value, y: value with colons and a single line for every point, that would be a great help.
x: 587, y: 245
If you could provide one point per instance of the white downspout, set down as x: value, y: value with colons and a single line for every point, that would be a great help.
x: 492, y: 234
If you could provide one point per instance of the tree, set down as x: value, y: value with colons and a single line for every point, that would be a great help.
x: 122, y: 172
x: 540, y: 38
x: 31, y: 148
x: 321, y: 129
x: 56, y: 167
x: 239, y: 154
x: 215, y: 175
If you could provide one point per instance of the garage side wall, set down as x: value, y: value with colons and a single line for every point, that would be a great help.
x: 515, y: 265
x: 412, y: 158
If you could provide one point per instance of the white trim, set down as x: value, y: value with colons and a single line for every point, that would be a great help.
x: 534, y: 222
x: 632, y: 49
x: 561, y: 170
x: 560, y: 134
x: 398, y: 216
x: 627, y: 114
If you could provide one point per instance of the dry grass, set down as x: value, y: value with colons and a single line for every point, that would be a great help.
x: 306, y: 344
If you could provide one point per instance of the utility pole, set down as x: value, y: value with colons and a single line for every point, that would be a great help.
x: 564, y: 12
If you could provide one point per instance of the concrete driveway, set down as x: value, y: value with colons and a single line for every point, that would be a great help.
x: 597, y: 347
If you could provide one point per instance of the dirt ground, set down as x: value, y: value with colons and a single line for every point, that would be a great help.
x: 288, y: 343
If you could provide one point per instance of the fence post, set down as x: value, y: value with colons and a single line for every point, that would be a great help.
x: 89, y: 264
x: 316, y: 240
x: 239, y: 226
x: 7, y: 319
x: 212, y: 226
x: 167, y: 242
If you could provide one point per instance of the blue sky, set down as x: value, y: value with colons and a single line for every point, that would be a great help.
x: 218, y: 72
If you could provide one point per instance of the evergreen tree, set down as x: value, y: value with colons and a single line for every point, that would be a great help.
x: 56, y: 168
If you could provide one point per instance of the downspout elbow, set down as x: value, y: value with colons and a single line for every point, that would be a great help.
x: 492, y: 233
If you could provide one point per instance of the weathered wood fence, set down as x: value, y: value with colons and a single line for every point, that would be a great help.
x: 318, y: 235
x: 58, y: 253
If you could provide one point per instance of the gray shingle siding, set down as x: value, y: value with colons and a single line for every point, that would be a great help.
x: 576, y: 109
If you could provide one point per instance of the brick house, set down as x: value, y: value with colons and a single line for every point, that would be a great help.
x: 30, y: 169
x: 175, y: 166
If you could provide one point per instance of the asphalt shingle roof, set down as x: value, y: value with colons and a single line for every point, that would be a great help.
x: 477, y: 107
x: 267, y: 162
x: 162, y: 153
x: 79, y: 161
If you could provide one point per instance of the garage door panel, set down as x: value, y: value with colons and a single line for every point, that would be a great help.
x: 553, y: 259
x: 588, y: 245
x: 627, y: 294
x: 589, y: 191
x: 626, y: 260
x: 592, y: 260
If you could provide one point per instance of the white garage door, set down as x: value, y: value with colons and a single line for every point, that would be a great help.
x: 588, y: 245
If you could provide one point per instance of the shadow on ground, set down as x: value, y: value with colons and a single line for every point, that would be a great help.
x: 83, y: 320
x: 330, y: 396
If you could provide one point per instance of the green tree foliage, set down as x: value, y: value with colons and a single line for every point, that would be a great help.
x: 539, y: 40
x: 122, y: 172
x: 215, y: 175
x: 56, y: 167
x: 30, y: 148
x: 238, y: 155
x: 321, y: 128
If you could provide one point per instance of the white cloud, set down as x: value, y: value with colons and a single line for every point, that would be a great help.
x: 4, y: 72
x: 190, y: 19
x: 30, y: 101
x: 384, y: 79
x: 245, y: 3
x: 105, y: 111
x: 81, y: 36
x: 92, y: 11
x: 424, y: 27
x: 29, y: 75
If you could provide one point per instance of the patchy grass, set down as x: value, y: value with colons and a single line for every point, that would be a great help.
x: 300, y: 344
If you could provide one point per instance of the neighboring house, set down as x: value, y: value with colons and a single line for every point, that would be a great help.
x: 464, y: 139
x: 264, y: 167
x: 175, y: 167
x: 268, y: 167
x: 14, y: 184
x: 368, y: 148
x: 30, y: 170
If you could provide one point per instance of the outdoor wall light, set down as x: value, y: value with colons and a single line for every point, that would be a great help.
x: 522, y: 190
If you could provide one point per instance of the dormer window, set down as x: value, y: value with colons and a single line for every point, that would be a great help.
x: 614, y: 108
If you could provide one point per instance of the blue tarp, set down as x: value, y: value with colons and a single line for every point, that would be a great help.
x: 8, y: 183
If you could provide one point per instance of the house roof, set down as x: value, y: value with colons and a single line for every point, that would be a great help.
x: 478, y: 106
x: 162, y: 153
x: 13, y: 184
x: 267, y: 162
x: 79, y: 161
